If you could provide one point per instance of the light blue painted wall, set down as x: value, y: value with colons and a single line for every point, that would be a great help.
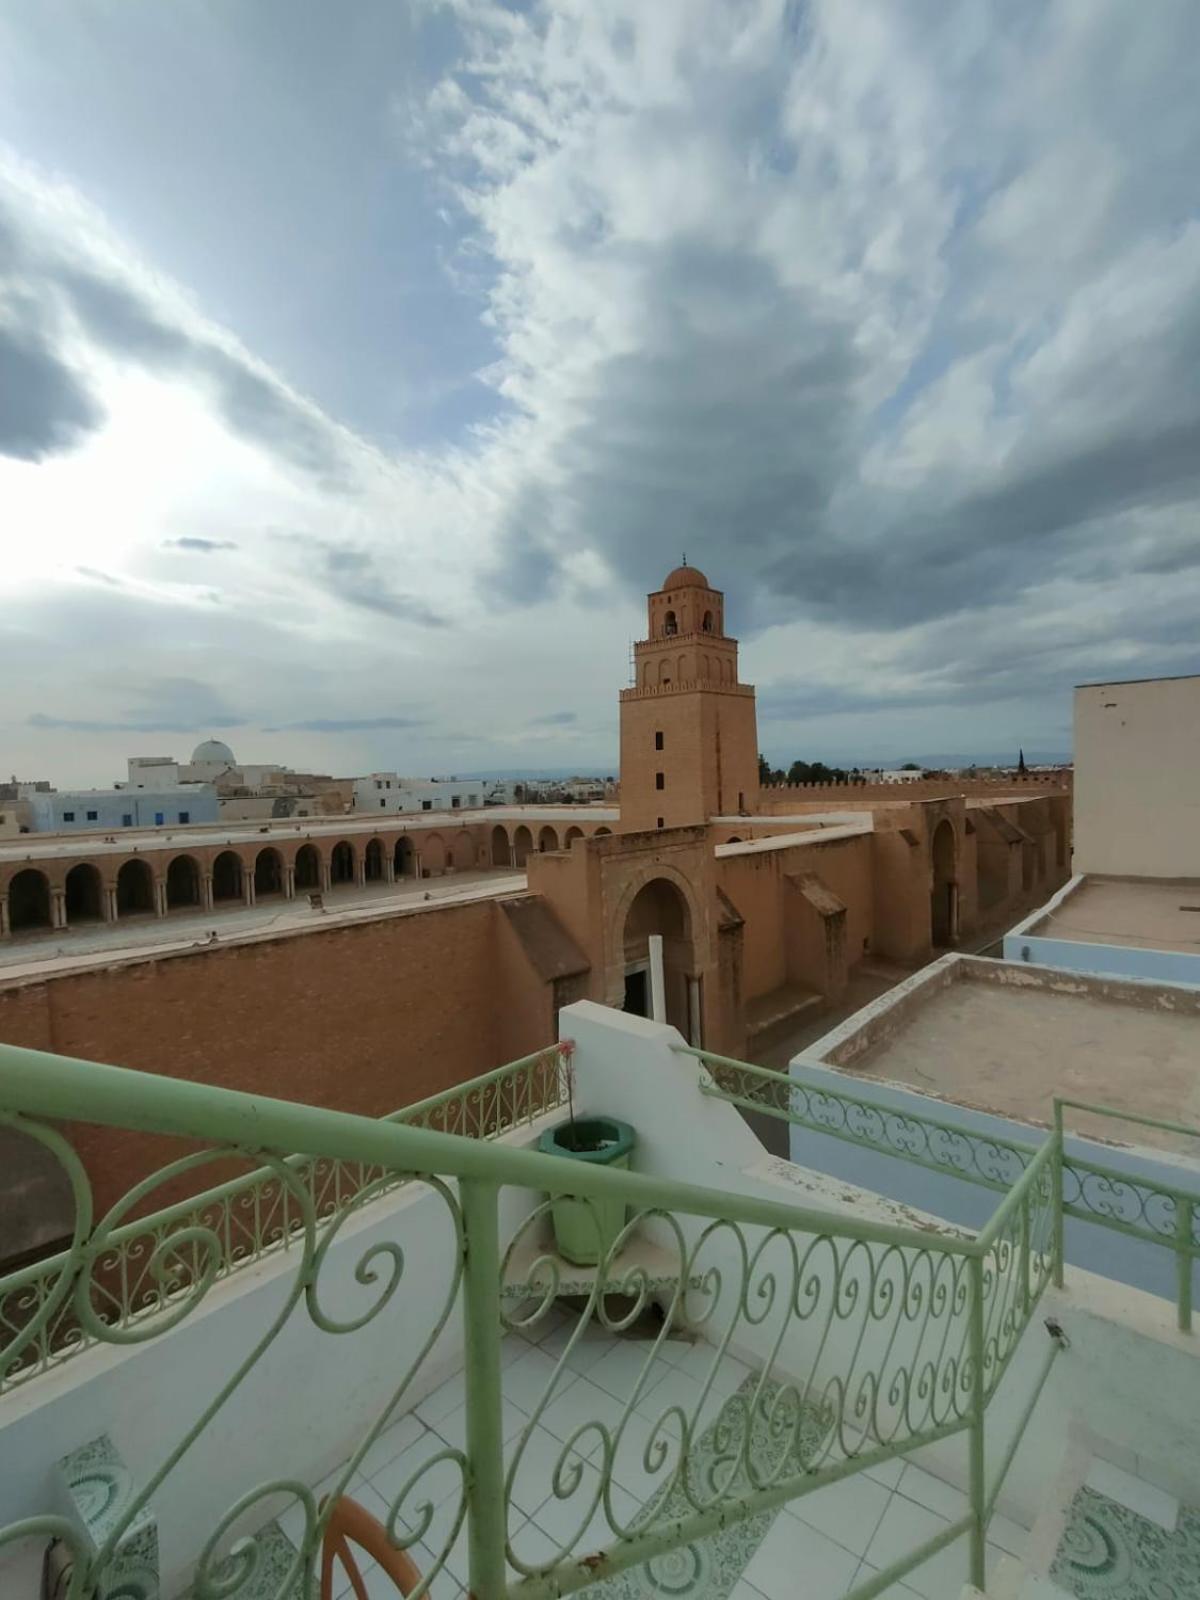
x: 1108, y: 960
x: 196, y: 803
x: 1096, y: 1249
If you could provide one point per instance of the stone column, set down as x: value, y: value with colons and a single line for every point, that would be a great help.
x: 360, y: 869
x: 658, y: 985
x: 58, y: 908
x: 110, y: 900
x: 5, y: 929
x: 160, y: 897
x: 206, y: 892
x: 326, y: 876
x: 248, y: 885
x: 389, y: 867
x: 695, y: 1036
x: 289, y: 881
x: 416, y: 858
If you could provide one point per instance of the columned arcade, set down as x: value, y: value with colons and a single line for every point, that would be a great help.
x: 44, y: 889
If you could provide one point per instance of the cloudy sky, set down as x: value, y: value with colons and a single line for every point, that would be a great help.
x: 362, y: 366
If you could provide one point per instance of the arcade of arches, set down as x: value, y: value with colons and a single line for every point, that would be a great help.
x: 56, y: 893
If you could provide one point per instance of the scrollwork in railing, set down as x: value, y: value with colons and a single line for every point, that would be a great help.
x: 248, y: 1218
x: 979, y: 1158
x: 1125, y: 1201
x: 1018, y: 1265
x: 179, y: 1261
x: 852, y: 1348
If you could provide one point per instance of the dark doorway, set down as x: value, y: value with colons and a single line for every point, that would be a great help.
x: 341, y: 862
x: 373, y: 862
x: 28, y: 900
x: 944, y: 896
x: 83, y: 894
x: 308, y: 867
x: 227, y: 876
x: 637, y: 994
x: 659, y: 908
x: 135, y: 889
x: 183, y: 883
x: 403, y: 862
x: 268, y: 873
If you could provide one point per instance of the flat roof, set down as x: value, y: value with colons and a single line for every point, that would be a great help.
x: 789, y: 841
x: 262, y: 830
x: 1147, y: 913
x: 1115, y: 683
x: 1006, y: 1039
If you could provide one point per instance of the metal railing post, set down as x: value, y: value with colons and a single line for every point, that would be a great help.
x: 1057, y: 1172
x: 1026, y: 1289
x: 1183, y: 1263
x: 486, y: 1515
x: 976, y: 1463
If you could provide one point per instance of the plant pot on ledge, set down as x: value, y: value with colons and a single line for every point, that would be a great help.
x: 584, y: 1230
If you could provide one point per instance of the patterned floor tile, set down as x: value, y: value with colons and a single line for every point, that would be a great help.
x: 1109, y: 1552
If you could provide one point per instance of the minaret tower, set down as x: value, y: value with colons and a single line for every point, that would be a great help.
x: 689, y: 735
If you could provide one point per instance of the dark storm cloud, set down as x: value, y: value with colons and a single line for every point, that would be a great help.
x: 737, y: 437
x: 346, y: 724
x: 983, y: 661
x: 356, y: 577
x: 203, y: 546
x: 727, y: 428
x: 1012, y: 535
x: 45, y: 407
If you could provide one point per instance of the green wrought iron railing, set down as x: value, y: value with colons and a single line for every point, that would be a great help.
x: 1162, y: 1214
x: 250, y: 1216
x: 1138, y: 1206
x: 865, y: 1341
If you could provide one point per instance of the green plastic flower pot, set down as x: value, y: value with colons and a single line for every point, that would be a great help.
x: 584, y: 1230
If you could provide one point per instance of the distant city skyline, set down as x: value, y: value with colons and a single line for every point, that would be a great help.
x: 367, y: 412
x: 610, y: 769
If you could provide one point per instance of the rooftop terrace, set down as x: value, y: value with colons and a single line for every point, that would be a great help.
x: 1127, y: 927
x: 1007, y: 1039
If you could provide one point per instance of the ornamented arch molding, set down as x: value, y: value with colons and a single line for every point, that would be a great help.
x: 614, y: 934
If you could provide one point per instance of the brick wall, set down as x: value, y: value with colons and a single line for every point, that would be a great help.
x: 366, y: 1019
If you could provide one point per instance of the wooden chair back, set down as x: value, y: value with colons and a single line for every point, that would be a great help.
x: 350, y: 1524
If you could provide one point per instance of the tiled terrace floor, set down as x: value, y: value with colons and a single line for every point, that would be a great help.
x: 816, y: 1549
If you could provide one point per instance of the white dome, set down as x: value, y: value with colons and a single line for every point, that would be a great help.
x: 213, y: 750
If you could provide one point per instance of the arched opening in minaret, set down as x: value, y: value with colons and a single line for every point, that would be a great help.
x: 670, y: 625
x: 707, y: 624
x: 660, y: 908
